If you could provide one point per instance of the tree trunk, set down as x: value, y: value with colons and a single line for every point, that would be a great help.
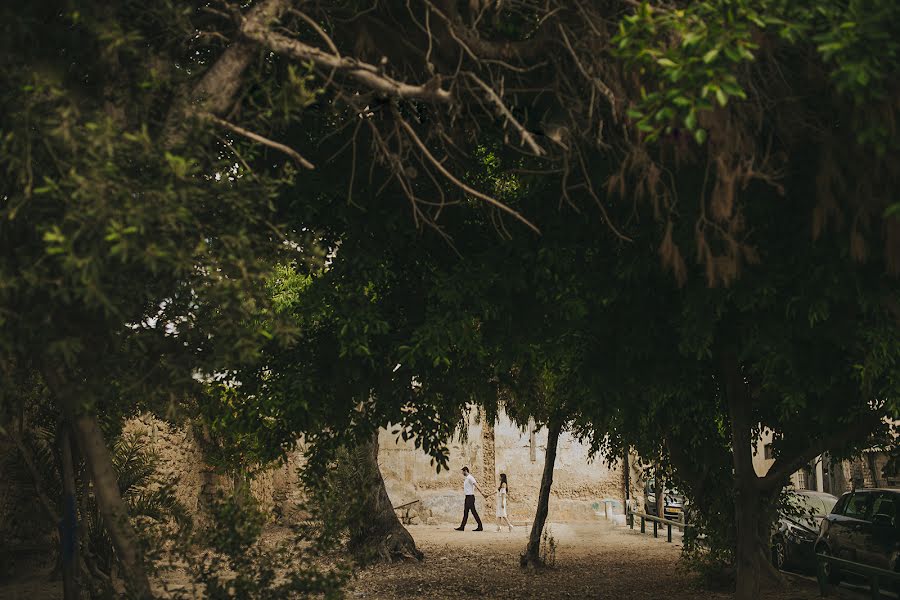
x: 489, y: 466
x: 752, y: 504
x: 660, y: 485
x: 626, y: 481
x: 112, y: 507
x: 380, y: 536
x: 532, y: 556
x: 106, y: 487
x: 68, y: 529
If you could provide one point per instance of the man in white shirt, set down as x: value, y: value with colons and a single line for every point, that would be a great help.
x: 469, y: 487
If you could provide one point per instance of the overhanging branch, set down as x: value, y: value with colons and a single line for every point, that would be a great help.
x: 783, y: 467
x: 262, y: 140
x: 525, y: 135
x: 469, y: 190
x: 367, y: 74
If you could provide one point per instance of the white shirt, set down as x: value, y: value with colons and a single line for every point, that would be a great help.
x: 469, y: 485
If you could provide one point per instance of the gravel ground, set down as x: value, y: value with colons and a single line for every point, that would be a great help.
x: 593, y: 560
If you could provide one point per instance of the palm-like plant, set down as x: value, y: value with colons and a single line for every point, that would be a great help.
x: 135, y: 462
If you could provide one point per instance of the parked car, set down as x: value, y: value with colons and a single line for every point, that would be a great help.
x: 794, y: 535
x: 863, y: 528
x: 674, y: 506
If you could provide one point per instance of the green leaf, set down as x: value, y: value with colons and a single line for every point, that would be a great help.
x: 721, y: 97
x: 690, y: 121
x: 690, y: 39
x: 700, y: 136
x: 710, y: 55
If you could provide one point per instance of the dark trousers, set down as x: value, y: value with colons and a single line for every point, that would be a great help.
x: 470, y: 506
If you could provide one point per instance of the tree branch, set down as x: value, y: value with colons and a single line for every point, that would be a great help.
x: 527, y: 138
x: 460, y: 184
x: 262, y: 140
x: 216, y: 90
x: 480, y: 48
x: 365, y: 73
x: 598, y: 83
x: 785, y: 466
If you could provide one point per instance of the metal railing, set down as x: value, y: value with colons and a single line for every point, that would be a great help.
x: 657, y: 521
x: 875, y: 575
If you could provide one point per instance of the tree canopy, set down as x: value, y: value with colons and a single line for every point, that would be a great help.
x: 646, y: 212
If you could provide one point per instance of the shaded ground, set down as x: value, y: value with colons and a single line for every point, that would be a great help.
x: 593, y: 560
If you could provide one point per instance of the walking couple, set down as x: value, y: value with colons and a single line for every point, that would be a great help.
x: 469, y: 487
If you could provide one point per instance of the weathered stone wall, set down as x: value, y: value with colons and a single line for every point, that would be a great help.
x: 580, y: 485
x: 181, y: 460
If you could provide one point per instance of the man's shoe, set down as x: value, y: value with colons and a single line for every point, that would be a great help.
x: 460, y: 528
x: 478, y: 529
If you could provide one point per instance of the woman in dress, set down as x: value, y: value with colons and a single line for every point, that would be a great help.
x: 502, y: 493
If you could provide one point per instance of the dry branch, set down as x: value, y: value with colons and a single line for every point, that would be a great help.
x: 260, y: 139
x: 469, y: 190
x: 365, y: 73
x: 526, y: 136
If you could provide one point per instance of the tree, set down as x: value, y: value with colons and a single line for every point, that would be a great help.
x: 148, y: 183
x: 804, y: 344
x: 109, y: 230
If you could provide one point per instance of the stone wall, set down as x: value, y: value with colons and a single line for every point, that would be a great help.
x: 181, y: 460
x: 580, y: 486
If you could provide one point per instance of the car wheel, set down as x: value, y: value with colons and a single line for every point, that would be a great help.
x: 832, y: 573
x: 779, y: 552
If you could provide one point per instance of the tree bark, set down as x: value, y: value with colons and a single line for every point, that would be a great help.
x: 112, y: 507
x: 106, y: 487
x: 752, y: 504
x: 489, y: 464
x: 68, y: 527
x: 216, y: 90
x: 660, y: 489
x: 532, y: 556
x: 381, y: 536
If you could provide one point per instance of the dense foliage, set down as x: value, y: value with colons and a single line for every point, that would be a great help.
x: 663, y: 224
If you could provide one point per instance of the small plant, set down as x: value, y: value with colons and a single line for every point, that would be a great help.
x: 548, y: 548
x: 235, y: 561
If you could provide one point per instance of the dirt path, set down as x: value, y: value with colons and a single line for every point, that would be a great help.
x: 593, y: 560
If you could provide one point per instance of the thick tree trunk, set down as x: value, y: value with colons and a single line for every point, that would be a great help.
x: 106, y: 487
x: 752, y: 503
x: 381, y: 536
x: 532, y: 556
x: 68, y: 529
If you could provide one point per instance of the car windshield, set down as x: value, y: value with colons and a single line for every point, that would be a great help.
x: 651, y: 489
x: 819, y: 506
